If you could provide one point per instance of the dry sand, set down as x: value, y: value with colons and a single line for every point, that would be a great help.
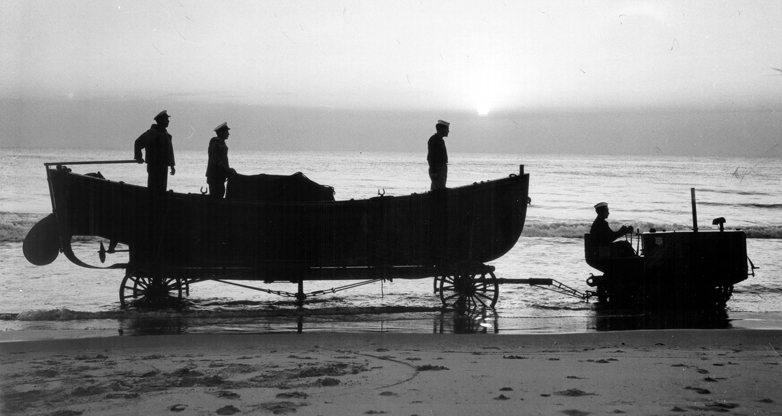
x: 690, y: 372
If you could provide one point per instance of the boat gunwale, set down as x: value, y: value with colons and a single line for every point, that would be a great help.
x: 486, y: 184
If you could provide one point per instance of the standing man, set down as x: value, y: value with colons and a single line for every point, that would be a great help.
x: 218, y: 169
x: 159, y: 153
x: 438, y: 156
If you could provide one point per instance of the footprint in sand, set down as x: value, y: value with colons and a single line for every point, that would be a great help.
x: 292, y: 395
x: 228, y: 394
x: 573, y: 393
x: 228, y: 410
x: 327, y: 382
x: 698, y: 390
x: 715, y: 407
x: 67, y: 413
x: 279, y: 408
x: 429, y: 367
x: 575, y: 412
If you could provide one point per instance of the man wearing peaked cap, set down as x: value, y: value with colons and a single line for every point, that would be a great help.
x: 156, y: 142
x: 218, y: 169
x: 438, y: 156
x: 603, y: 235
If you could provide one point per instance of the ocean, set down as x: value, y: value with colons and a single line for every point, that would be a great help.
x: 64, y: 300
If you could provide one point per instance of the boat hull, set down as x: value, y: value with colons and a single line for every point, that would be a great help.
x: 197, y: 237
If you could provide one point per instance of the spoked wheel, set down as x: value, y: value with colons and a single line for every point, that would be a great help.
x: 469, y: 290
x: 151, y: 291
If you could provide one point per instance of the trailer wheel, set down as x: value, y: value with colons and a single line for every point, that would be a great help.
x: 151, y: 292
x: 469, y: 290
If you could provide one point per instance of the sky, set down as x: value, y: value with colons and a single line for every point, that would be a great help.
x: 692, y: 78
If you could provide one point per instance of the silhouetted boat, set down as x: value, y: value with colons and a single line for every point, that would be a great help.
x: 285, y: 229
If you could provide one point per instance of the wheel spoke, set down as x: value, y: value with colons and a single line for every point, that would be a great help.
x: 455, y: 295
x: 482, y: 302
x: 481, y: 296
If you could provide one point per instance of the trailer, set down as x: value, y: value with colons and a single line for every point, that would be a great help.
x: 282, y: 229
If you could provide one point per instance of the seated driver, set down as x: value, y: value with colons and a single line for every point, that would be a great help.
x: 603, y: 235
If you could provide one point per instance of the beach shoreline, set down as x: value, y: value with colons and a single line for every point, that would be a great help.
x: 368, y: 321
x: 633, y: 372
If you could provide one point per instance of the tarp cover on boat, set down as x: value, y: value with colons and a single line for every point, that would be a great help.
x: 273, y: 188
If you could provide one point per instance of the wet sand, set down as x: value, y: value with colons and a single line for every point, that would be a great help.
x: 637, y: 372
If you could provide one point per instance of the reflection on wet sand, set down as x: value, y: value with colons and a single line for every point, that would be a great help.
x: 444, y: 322
x: 172, y: 325
x: 470, y: 321
x: 617, y: 320
x: 480, y: 321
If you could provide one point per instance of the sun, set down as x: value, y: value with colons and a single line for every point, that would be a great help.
x: 483, y: 110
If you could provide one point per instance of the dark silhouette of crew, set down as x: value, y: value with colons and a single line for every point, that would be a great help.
x: 218, y: 169
x: 159, y: 152
x: 438, y: 156
x: 602, y: 234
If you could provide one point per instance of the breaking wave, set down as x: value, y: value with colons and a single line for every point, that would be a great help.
x: 576, y: 230
x: 14, y: 226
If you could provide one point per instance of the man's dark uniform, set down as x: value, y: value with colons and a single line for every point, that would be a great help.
x: 437, y: 152
x: 218, y: 169
x: 438, y: 161
x: 603, y: 235
x: 159, y: 156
